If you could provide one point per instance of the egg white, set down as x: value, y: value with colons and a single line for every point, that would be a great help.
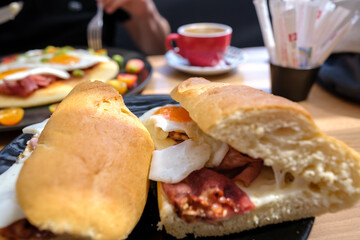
x: 38, y: 70
x: 9, y: 206
x: 172, y: 162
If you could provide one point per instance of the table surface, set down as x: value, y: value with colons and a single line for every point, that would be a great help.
x: 334, y: 116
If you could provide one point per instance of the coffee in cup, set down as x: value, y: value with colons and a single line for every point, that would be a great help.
x: 202, y: 44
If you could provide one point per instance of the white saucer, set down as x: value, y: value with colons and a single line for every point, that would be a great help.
x: 233, y: 57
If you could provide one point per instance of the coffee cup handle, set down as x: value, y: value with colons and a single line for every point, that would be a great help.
x: 170, y: 39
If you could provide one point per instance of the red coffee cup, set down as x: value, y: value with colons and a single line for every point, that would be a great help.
x: 202, y: 44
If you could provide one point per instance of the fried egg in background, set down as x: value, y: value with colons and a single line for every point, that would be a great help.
x: 49, y: 61
x: 73, y: 59
x: 66, y: 58
x: 173, y: 161
x: 9, y: 206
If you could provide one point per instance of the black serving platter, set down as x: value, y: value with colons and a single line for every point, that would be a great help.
x: 147, y: 227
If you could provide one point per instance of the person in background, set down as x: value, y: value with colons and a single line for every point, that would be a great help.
x: 64, y: 22
x: 146, y: 26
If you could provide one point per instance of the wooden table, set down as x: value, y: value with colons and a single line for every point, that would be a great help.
x: 334, y: 116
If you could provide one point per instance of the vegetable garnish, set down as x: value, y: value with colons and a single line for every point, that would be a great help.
x: 119, y: 59
x: 128, y: 78
x: 11, y: 116
x: 78, y: 73
x: 53, y: 107
x: 119, y: 86
x: 134, y: 66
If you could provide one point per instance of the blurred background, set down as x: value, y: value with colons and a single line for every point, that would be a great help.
x: 240, y: 15
x: 63, y: 22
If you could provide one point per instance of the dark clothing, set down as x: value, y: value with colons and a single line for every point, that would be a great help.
x: 340, y: 74
x: 47, y: 22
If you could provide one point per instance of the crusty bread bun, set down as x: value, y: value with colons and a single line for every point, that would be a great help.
x: 283, y: 134
x: 58, y: 90
x: 88, y: 175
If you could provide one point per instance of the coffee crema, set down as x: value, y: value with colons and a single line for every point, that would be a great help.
x: 204, y: 30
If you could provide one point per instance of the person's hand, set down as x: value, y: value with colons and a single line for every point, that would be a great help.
x: 133, y: 7
x: 147, y: 28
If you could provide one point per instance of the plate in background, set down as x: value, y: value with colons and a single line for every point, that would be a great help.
x: 233, y: 58
x: 38, y: 114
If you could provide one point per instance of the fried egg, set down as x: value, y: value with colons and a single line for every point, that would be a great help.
x: 50, y: 61
x: 9, y: 206
x: 74, y: 59
x: 173, y: 161
x: 63, y: 58
x: 161, y: 120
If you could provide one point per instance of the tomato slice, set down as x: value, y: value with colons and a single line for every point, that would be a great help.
x: 53, y: 107
x: 121, y: 87
x: 11, y: 116
x: 134, y: 66
x: 128, y: 78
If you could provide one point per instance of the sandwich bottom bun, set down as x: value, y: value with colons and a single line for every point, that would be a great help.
x: 284, y: 136
x: 88, y: 175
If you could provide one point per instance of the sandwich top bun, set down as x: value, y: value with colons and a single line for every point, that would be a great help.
x: 58, y: 90
x: 88, y: 175
x: 284, y: 136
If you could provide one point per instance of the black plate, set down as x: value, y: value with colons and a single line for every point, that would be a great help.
x: 38, y: 114
x: 147, y: 226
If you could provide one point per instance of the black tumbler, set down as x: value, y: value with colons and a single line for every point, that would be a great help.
x: 292, y: 83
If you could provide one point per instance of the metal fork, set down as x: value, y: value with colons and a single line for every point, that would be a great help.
x: 94, y: 29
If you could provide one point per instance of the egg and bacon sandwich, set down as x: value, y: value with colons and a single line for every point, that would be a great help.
x: 233, y: 158
x: 82, y: 176
x: 43, y: 76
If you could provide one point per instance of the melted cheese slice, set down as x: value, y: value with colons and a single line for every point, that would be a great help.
x: 270, y: 186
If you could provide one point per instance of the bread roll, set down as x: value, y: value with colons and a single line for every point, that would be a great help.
x: 283, y: 134
x: 88, y: 175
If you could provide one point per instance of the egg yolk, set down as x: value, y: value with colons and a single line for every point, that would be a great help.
x: 174, y: 113
x: 11, y: 71
x: 64, y: 59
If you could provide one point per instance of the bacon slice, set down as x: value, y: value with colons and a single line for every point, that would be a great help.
x: 240, y: 167
x: 10, y: 88
x: 33, y: 142
x: 249, y: 174
x: 207, y: 196
x: 22, y: 229
x: 26, y: 86
x: 43, y: 80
